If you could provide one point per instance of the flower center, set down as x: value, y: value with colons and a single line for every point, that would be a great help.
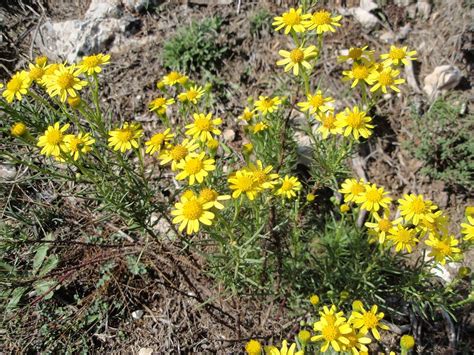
x: 192, y: 210
x: 397, y: 53
x: 14, y: 84
x: 360, y: 72
x: 245, y: 183
x: 357, y: 189
x: 354, y: 120
x: 124, y: 134
x: 75, y: 144
x: 316, y: 101
x: 192, y: 94
x: 297, y: 55
x: 91, y: 61
x: 208, y: 195
x: 193, y: 166
x: 266, y: 103
x: 384, y: 225
x: 291, y: 18
x: 385, y: 79
x: 418, y: 206
x: 370, y: 320
x: 65, y: 81
x: 443, y: 248
x: 404, y: 236
x: 178, y: 152
x: 328, y: 121
x: 355, y: 53
x: 260, y: 176
x: 36, y: 73
x: 54, y: 137
x: 159, y: 102
x: 330, y: 332
x: 373, y: 195
x: 322, y: 18
x: 203, y: 124
x: 287, y: 185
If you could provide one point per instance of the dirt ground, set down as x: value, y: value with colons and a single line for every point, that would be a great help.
x: 182, y: 308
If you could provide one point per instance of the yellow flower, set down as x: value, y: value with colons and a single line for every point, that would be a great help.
x: 212, y: 144
x: 209, y: 195
x: 382, y: 225
x: 76, y: 145
x: 398, y: 55
x: 314, y: 300
x: 328, y: 124
x: 316, y: 103
x: 310, y: 197
x: 357, y: 305
x: 41, y: 60
x: 357, y: 343
x: 174, y: 78
x: 360, y: 73
x: 357, y: 54
x: 74, y: 101
x: 190, y: 212
x: 297, y: 58
x: 17, y: 86
x: 403, y: 238
x: 407, y: 342
x: 92, y: 64
x: 289, y: 187
x: 259, y: 127
x: 354, y: 122
x: 253, y: 347
x: 126, y: 137
x: 36, y: 72
x: 322, y: 22
x: 192, y: 95
x: 351, y: 188
x: 373, y: 197
x: 266, y: 105
x: 443, y: 247
x: 203, y: 126
x: 469, y: 211
x: 18, y: 129
x: 440, y: 223
x: 263, y: 176
x: 304, y: 336
x: 247, y: 148
x: 385, y: 78
x: 468, y: 228
x: 157, y: 141
x: 333, y: 333
x: 368, y: 320
x: 344, y: 208
x: 176, y: 153
x: 291, y: 20
x: 160, y: 105
x: 52, y: 140
x: 64, y: 82
x: 243, y: 182
x: 330, y: 315
x: 271, y: 350
x: 414, y: 208
x: 50, y: 69
x: 195, y: 167
x: 247, y: 115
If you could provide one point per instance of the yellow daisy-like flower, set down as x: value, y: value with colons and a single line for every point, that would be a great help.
x: 382, y: 224
x: 50, y: 69
x: 297, y: 58
x: 443, y: 247
x: 160, y: 104
x: 157, y: 141
x: 243, y: 182
x: 41, y: 60
x: 439, y: 225
x: 253, y: 347
x: 387, y: 78
x: 316, y: 103
x: 357, y: 343
x: 192, y: 95
x: 76, y: 145
x: 330, y: 315
x: 195, y: 167
x: 64, y: 82
x: 203, y: 126
x: 332, y: 333
x: 368, y: 321
x: 322, y: 22
x: 398, y: 55
x: 18, y: 129
x: 212, y: 144
x: 93, y: 63
x: 126, y: 137
x: 259, y: 127
x: 354, y: 122
x: 289, y: 187
x: 209, y: 195
x: 468, y: 228
x: 263, y: 176
x: 52, y: 140
x: 291, y: 20
x: 373, y: 198
x: 74, y: 102
x: 407, y: 342
x: 176, y: 153
x: 357, y: 54
x: 247, y: 115
x: 415, y: 208
x: 266, y: 104
x: 328, y: 124
x: 360, y: 74
x: 190, y: 212
x: 17, y: 86
x: 285, y: 350
x: 174, y: 78
x: 36, y: 72
x: 351, y: 188
x: 403, y: 238
x: 314, y: 299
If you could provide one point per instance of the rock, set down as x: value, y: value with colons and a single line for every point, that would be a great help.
x: 7, y: 172
x: 411, y: 11
x: 404, y: 2
x: 403, y: 32
x: 391, y: 37
x: 104, y: 9
x: 145, y: 351
x: 228, y: 135
x: 368, y: 5
x: 365, y: 18
x: 141, y: 5
x: 423, y: 8
x: 138, y: 314
x: 387, y: 37
x: 443, y: 78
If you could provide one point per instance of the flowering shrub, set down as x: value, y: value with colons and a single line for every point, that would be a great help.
x: 248, y: 210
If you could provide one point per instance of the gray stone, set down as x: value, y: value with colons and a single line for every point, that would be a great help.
x: 442, y: 79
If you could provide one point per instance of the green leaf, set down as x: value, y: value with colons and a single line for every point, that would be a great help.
x: 42, y: 286
x: 15, y: 297
x: 49, y: 265
x: 39, y: 257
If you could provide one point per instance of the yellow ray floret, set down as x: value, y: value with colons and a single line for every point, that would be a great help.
x: 297, y: 59
x: 190, y: 212
x: 126, y: 137
x: 195, y: 167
